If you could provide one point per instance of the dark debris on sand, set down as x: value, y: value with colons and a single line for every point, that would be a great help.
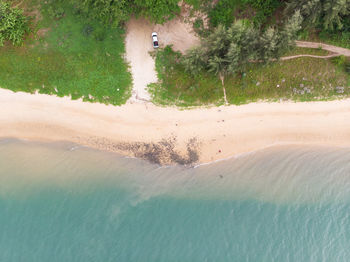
x: 163, y: 152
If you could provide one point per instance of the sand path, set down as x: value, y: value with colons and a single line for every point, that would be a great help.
x: 330, y: 48
x: 139, y: 45
x: 335, y: 50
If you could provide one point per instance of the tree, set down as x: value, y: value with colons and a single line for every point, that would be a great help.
x: 289, y: 33
x: 227, y: 50
x: 330, y: 14
x: 334, y: 11
x: 114, y: 13
x: 13, y: 24
x: 158, y: 11
x: 224, y: 51
x: 108, y: 12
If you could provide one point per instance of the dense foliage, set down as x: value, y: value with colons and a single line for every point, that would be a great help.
x: 114, y: 13
x: 13, y: 24
x: 157, y: 10
x: 264, y: 9
x: 226, y: 11
x: 330, y: 14
x: 228, y: 50
x: 107, y: 11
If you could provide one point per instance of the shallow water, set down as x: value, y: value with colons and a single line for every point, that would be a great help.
x: 66, y: 203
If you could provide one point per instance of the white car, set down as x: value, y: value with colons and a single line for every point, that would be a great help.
x: 155, y: 40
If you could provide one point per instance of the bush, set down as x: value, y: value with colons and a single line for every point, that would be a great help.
x: 13, y: 24
x: 158, y: 11
x: 264, y: 9
x: 116, y: 13
x: 87, y: 30
x: 223, y: 12
x: 339, y: 61
x: 347, y: 67
x: 342, y: 62
x: 56, y: 13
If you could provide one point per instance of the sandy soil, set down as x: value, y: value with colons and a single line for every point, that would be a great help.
x: 330, y: 48
x: 335, y: 50
x: 138, y: 45
x: 168, y: 135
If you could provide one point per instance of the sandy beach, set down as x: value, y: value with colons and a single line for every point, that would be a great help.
x: 170, y: 135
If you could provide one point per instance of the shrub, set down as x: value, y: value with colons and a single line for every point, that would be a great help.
x: 13, y: 24
x: 87, y: 30
x: 347, y: 67
x: 339, y: 61
x: 342, y: 62
x: 264, y: 9
x: 56, y: 13
x: 223, y: 12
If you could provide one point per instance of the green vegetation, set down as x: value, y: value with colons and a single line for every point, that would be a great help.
x: 337, y: 38
x: 157, y: 10
x: 196, y: 4
x: 264, y: 9
x: 306, y: 51
x: 301, y: 79
x: 115, y: 13
x: 227, y: 51
x: 180, y: 88
x: 76, y: 49
x: 13, y: 24
x: 329, y: 14
x: 226, y: 11
x: 110, y: 13
x: 69, y: 58
x: 324, y: 20
x: 230, y: 46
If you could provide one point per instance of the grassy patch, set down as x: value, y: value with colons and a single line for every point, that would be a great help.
x: 175, y: 87
x: 196, y: 4
x: 258, y: 11
x: 68, y: 58
x: 307, y: 51
x: 341, y: 39
x: 301, y: 79
x: 224, y: 12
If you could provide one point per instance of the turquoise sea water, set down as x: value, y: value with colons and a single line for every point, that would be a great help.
x: 66, y: 203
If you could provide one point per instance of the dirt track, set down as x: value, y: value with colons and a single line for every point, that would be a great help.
x: 330, y: 48
x: 138, y: 45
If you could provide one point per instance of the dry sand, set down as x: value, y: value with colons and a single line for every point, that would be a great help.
x: 168, y: 135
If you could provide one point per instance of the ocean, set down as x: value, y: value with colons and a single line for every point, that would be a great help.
x: 62, y: 202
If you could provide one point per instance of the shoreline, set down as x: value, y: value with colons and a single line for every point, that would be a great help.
x: 167, y: 135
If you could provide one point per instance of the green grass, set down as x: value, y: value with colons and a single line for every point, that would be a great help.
x: 301, y: 79
x: 178, y: 88
x: 72, y: 59
x: 307, y: 51
x: 341, y: 39
x: 196, y: 4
